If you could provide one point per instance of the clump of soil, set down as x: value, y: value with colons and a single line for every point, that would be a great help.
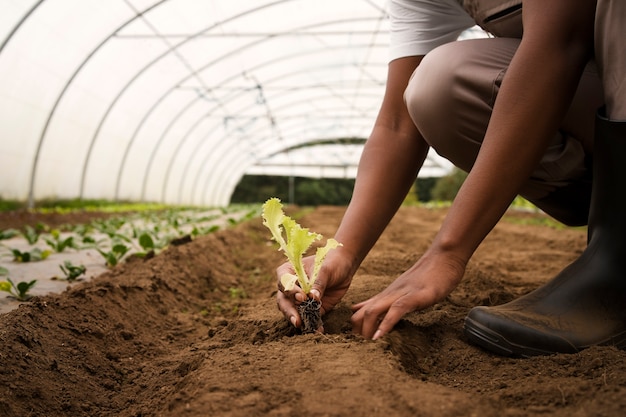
x: 194, y: 331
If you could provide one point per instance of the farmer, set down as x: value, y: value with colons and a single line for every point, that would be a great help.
x: 541, y: 115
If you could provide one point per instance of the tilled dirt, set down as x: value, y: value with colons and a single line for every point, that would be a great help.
x: 195, y: 332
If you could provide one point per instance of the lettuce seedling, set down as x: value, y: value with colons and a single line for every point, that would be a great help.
x: 18, y: 291
x: 8, y: 233
x: 114, y: 255
x: 33, y: 255
x: 71, y: 271
x: 294, y: 241
x: 31, y: 234
x: 57, y: 243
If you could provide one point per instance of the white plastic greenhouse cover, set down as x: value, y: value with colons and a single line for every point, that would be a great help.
x: 175, y: 100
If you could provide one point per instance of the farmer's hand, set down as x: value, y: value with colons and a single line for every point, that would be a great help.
x: 332, y: 282
x: 427, y: 282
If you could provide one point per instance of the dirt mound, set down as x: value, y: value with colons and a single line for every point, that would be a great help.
x: 195, y: 331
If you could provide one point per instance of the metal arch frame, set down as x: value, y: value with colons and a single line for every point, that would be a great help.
x: 227, y: 159
x: 227, y: 187
x: 202, y: 68
x: 73, y: 77
x: 223, y: 142
x: 19, y: 24
x: 230, y: 159
x: 309, y: 149
x: 235, y: 167
x: 70, y: 80
x: 170, y: 49
x: 195, y: 153
x: 31, y: 196
x: 161, y: 138
x: 174, y: 120
x: 321, y: 142
x: 179, y: 115
x: 154, y: 149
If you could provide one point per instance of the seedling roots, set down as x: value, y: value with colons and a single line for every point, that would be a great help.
x: 311, y: 315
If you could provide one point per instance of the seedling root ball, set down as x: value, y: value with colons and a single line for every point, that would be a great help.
x: 311, y: 315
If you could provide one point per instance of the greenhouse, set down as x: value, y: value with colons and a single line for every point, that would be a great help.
x: 174, y: 101
x: 311, y: 208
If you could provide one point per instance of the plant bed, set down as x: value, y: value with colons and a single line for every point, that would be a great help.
x: 194, y: 331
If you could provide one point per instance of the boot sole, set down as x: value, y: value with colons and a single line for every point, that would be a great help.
x: 496, y: 343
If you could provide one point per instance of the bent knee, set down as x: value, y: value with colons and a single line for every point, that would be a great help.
x: 430, y: 91
x: 451, y: 95
x: 439, y: 100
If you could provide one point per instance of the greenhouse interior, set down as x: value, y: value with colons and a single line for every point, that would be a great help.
x: 177, y: 182
x: 175, y: 101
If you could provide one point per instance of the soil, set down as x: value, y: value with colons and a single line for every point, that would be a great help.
x: 194, y: 331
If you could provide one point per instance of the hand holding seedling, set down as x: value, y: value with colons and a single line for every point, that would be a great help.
x: 294, y: 241
x: 332, y: 282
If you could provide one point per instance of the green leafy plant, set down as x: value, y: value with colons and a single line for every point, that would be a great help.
x: 18, y: 291
x: 57, y: 243
x: 200, y: 231
x: 90, y: 242
x: 146, y: 242
x: 33, y: 255
x: 114, y: 255
x: 31, y: 234
x: 82, y: 229
x: 8, y: 233
x: 111, y: 227
x: 71, y: 271
x: 294, y: 241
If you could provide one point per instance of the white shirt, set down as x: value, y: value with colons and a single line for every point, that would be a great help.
x: 419, y: 26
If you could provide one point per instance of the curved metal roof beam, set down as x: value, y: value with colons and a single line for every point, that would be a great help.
x: 226, y: 143
x: 204, y: 67
x: 193, y: 154
x: 211, y: 63
x: 234, y: 184
x: 235, y: 164
x: 320, y: 142
x: 226, y: 184
x: 182, y: 112
x: 171, y: 49
x: 79, y: 69
x: 267, y: 143
x: 229, y: 152
x: 228, y: 160
x: 31, y: 190
x: 154, y: 150
x: 222, y: 140
x: 19, y: 24
x: 69, y: 82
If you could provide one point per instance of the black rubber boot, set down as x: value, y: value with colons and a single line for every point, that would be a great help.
x: 585, y: 304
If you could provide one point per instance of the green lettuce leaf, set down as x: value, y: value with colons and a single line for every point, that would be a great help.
x: 294, y: 240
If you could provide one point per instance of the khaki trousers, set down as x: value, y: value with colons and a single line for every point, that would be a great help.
x: 610, y: 49
x: 451, y: 96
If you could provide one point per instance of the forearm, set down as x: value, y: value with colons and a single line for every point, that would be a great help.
x: 388, y: 167
x: 391, y: 159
